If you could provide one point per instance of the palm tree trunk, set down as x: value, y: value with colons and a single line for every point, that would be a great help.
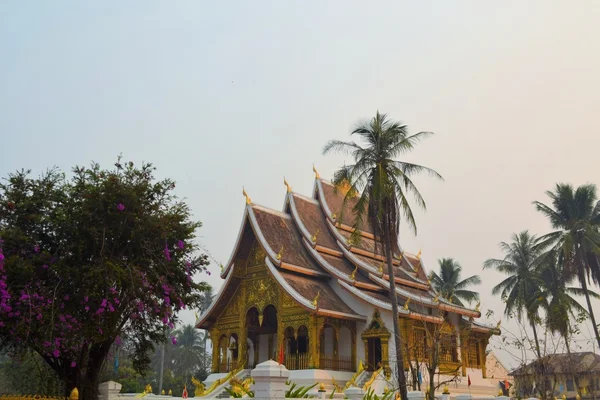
x: 535, y: 338
x: 394, y: 300
x: 589, y: 304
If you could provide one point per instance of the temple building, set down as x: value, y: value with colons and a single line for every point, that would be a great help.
x: 298, y: 283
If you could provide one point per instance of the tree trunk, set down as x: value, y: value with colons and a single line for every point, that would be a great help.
x: 542, y: 385
x: 87, y: 380
x: 589, y: 303
x: 435, y: 356
x: 394, y: 300
x: 535, y: 337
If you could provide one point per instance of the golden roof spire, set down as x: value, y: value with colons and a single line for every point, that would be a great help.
x: 419, y: 255
x: 498, y: 324
x: 477, y: 306
x: 280, y: 254
x: 248, y: 199
x: 380, y: 270
x: 287, y: 185
x: 406, y: 304
x: 316, y: 172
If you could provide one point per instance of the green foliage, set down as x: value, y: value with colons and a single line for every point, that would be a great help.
x: 28, y: 374
x: 370, y: 395
x: 449, y: 284
x: 105, y: 254
x: 238, y: 395
x: 575, y: 216
x: 300, y: 392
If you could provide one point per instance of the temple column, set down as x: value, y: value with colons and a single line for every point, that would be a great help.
x: 242, y: 349
x: 313, y: 339
x: 482, y: 346
x: 214, y: 338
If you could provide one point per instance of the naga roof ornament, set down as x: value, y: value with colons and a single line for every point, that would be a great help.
x: 248, y: 199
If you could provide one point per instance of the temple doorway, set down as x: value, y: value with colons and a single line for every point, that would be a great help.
x: 262, y: 333
x: 374, y: 352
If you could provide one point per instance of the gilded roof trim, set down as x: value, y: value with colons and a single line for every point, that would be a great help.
x: 288, y: 288
x: 442, y: 306
x: 342, y: 242
x: 357, y: 261
x: 304, y: 302
x: 214, y: 303
x: 323, y: 263
x: 388, y: 306
x: 367, y: 298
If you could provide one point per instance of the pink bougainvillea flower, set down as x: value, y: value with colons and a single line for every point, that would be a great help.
x: 118, y: 340
x: 120, y: 206
x: 56, y: 353
x: 45, y: 266
x: 73, y: 364
x: 167, y: 253
x: 173, y: 340
x: 36, y: 249
x: 180, y: 244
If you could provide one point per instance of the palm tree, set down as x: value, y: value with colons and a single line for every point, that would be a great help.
x: 520, y: 290
x: 576, y: 218
x: 449, y: 285
x: 381, y: 184
x: 188, y: 353
x: 557, y: 298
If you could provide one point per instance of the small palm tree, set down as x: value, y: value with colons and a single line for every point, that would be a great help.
x: 449, y: 285
x: 520, y: 290
x: 576, y: 218
x: 380, y: 185
x: 557, y: 298
x: 188, y: 353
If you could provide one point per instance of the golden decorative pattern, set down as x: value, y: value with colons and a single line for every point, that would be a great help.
x: 257, y: 255
x: 262, y: 292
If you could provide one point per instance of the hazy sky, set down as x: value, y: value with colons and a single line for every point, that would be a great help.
x: 224, y: 94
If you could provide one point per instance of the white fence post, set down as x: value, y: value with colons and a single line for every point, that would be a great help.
x: 416, y: 395
x: 269, y: 380
x: 109, y: 390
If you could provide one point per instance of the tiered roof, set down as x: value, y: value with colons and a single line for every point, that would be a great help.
x: 308, y: 247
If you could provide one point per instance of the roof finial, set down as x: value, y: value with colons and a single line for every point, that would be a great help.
x: 248, y: 199
x: 280, y: 254
x: 498, y: 324
x: 316, y: 172
x: 381, y: 268
x: 436, y: 299
x: 287, y: 185
x: 407, y: 303
x: 315, y: 301
x: 477, y: 306
x: 419, y: 255
x: 353, y: 274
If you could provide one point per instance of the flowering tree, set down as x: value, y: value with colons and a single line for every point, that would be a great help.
x: 87, y: 259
